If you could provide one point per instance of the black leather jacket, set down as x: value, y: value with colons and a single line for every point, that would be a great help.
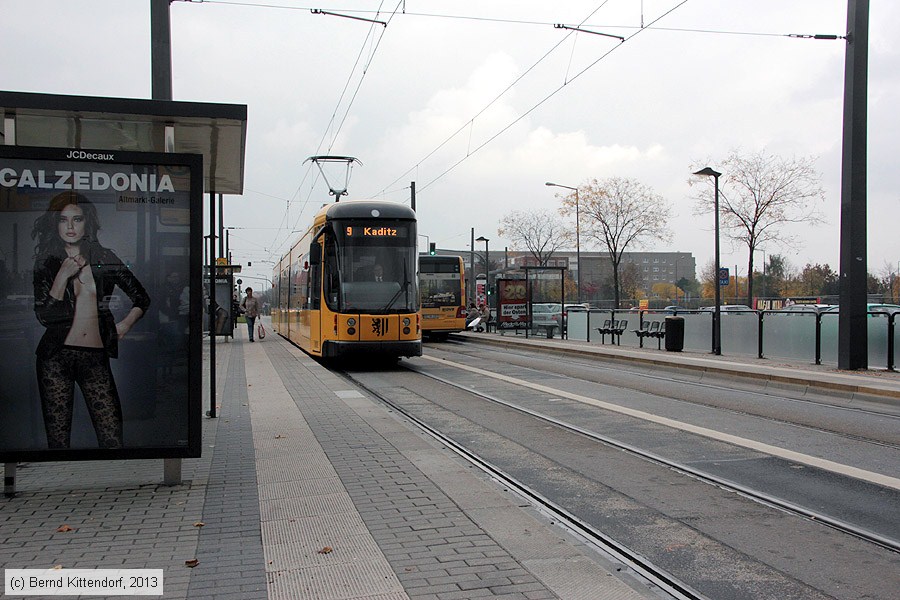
x: 57, y: 315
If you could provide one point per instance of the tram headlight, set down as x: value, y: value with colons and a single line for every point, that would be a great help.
x: 351, y: 322
x: 406, y: 331
x: 406, y: 322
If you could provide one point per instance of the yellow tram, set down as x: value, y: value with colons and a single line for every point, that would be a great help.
x: 442, y: 289
x: 348, y: 286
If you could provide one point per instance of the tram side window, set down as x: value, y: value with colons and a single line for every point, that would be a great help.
x: 304, y: 281
x: 315, y: 276
x: 332, y: 281
x: 283, y: 282
x: 295, y: 299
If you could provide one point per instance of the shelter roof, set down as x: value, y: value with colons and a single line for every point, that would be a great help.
x: 217, y: 131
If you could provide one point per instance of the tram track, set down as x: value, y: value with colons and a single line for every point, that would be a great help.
x: 635, y: 505
x: 618, y: 370
x: 640, y: 567
x: 750, y: 493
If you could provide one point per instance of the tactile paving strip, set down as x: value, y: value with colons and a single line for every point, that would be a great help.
x: 309, y: 530
x: 307, y: 487
x: 305, y: 506
x: 348, y: 550
x: 369, y: 580
x: 290, y: 469
x: 315, y: 543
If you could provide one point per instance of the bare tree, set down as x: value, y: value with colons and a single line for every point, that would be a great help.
x: 630, y: 282
x: 759, y: 194
x: 540, y: 233
x: 617, y: 213
x: 708, y: 280
x: 890, y: 277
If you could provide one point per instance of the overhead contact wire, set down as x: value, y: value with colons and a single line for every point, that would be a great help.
x: 550, y: 95
x: 491, y: 103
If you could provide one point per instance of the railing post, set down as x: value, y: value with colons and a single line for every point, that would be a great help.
x: 760, y: 335
x: 640, y: 327
x: 818, y: 338
x: 589, y: 326
x: 890, y: 348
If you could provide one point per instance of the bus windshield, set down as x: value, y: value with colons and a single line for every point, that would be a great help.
x: 440, y: 282
x: 373, y: 267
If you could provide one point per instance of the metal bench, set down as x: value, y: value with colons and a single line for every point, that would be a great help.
x: 647, y: 329
x: 605, y: 330
x: 659, y: 334
x: 614, y: 329
x: 652, y: 329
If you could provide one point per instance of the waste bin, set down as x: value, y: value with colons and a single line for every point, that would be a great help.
x: 674, y: 334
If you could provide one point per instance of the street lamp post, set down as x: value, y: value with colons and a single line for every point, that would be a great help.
x: 717, y: 314
x: 487, y: 267
x: 577, y: 233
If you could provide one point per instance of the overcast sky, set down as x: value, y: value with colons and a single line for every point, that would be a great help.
x: 480, y: 103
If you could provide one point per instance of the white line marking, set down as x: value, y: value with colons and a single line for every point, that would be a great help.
x: 806, y: 459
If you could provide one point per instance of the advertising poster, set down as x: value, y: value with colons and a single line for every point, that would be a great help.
x: 224, y: 313
x: 100, y: 263
x: 512, y: 310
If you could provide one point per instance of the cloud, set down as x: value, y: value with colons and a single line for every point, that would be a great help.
x: 663, y: 99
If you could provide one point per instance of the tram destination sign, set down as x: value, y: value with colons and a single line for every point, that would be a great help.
x: 368, y: 231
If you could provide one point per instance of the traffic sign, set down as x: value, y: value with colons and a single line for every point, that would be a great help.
x: 724, y: 276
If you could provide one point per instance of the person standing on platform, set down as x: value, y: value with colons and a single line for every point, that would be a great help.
x: 250, y: 308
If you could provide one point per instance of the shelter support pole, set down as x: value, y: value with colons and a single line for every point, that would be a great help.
x: 222, y: 251
x: 9, y: 480
x: 211, y: 413
x: 470, y: 292
x: 172, y: 471
x: 161, y: 89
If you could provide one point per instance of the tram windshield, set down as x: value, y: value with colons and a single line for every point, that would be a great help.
x: 372, y: 267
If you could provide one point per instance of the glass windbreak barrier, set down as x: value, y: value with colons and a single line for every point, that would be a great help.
x: 578, y: 324
x: 790, y: 334
x: 371, y: 267
x: 876, y: 335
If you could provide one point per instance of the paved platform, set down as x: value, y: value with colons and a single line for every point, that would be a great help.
x: 306, y: 489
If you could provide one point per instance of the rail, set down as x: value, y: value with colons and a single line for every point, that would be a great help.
x: 696, y: 472
x: 602, y: 543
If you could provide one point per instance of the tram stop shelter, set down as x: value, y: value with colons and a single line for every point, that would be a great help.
x: 218, y: 132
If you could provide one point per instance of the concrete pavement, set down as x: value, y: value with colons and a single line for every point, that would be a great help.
x: 306, y: 489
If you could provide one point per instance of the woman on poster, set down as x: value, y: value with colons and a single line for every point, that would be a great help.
x: 74, y: 277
